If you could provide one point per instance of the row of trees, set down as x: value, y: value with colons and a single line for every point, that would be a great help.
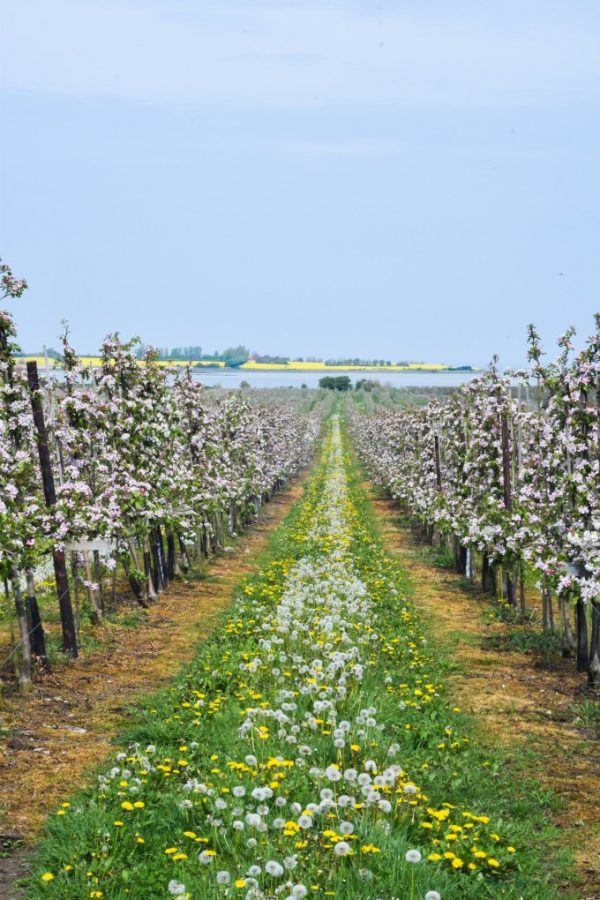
x: 231, y: 356
x: 132, y: 468
x: 508, y: 470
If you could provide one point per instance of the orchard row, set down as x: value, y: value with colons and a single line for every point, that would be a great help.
x: 508, y: 471
x: 129, y: 466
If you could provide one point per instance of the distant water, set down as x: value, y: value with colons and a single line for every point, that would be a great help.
x: 232, y: 378
x: 273, y: 379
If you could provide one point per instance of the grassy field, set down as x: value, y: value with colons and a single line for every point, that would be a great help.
x: 251, y: 365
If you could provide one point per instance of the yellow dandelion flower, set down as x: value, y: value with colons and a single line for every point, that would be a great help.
x: 370, y: 848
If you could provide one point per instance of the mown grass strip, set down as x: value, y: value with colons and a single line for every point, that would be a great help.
x: 309, y: 750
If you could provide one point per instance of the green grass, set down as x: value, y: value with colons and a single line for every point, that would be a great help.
x: 519, y: 640
x: 462, y: 787
x: 587, y: 716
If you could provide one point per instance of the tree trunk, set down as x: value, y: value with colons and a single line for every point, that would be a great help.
x: 135, y: 584
x: 488, y: 577
x: 161, y: 559
x: 138, y: 581
x: 98, y: 576
x: 113, y: 586
x: 156, y: 566
x: 594, y: 663
x: 583, y: 656
x: 75, y: 577
x: 24, y: 664
x: 568, y: 638
x: 460, y: 555
x: 511, y: 595
x: 469, y: 564
x: 37, y: 636
x: 150, y: 575
x: 221, y: 528
x: 95, y: 610
x: 64, y: 602
x: 171, y: 555
x: 551, y: 613
x: 185, y: 560
x: 547, y: 611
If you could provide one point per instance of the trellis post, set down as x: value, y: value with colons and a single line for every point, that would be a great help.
x: 58, y: 556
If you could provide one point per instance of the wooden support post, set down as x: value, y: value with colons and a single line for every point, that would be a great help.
x: 438, y: 465
x: 58, y: 556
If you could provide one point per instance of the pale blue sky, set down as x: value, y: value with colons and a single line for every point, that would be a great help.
x: 399, y: 180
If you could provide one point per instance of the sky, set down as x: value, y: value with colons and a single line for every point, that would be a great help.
x: 398, y: 180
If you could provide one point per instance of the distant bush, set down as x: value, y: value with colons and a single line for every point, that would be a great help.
x: 335, y: 383
x: 367, y: 384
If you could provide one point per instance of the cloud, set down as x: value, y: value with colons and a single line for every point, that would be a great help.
x: 295, y: 55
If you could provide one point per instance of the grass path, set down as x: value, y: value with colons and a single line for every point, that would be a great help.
x: 519, y: 701
x: 311, y: 749
x: 51, y: 738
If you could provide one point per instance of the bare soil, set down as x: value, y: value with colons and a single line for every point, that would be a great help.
x: 51, y: 739
x: 521, y: 701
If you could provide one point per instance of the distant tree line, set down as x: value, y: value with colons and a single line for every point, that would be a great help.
x: 267, y: 358
x: 359, y: 362
x: 231, y: 356
x: 181, y: 353
x: 234, y: 357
